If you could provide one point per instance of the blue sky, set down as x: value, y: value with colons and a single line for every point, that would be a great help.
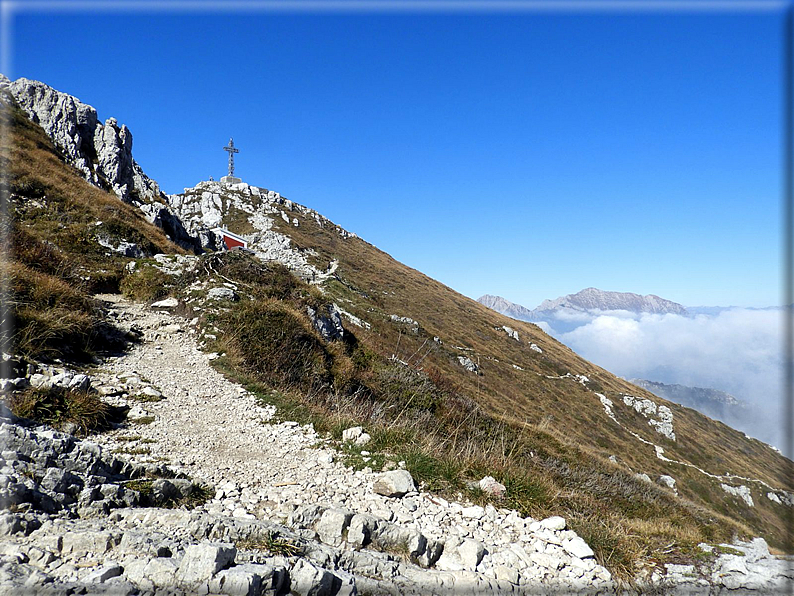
x: 526, y: 154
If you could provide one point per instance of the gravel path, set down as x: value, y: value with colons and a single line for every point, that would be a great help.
x: 212, y: 428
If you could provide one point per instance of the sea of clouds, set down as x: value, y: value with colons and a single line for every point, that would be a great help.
x: 736, y: 350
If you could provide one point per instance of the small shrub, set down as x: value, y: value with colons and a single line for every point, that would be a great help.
x: 614, y: 547
x: 406, y: 388
x: 273, y: 544
x: 197, y: 497
x: 145, y: 284
x: 274, y: 343
x: 143, y: 486
x: 524, y: 493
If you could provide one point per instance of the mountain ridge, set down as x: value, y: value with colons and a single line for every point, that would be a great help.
x: 595, y: 299
x: 588, y: 300
x: 564, y: 418
x: 504, y: 306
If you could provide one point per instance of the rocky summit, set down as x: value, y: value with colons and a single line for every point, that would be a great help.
x: 303, y: 414
x: 101, y: 152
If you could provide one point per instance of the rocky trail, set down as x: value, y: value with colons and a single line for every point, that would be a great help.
x: 284, y: 514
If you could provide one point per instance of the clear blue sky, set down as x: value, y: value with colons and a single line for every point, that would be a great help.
x: 523, y: 154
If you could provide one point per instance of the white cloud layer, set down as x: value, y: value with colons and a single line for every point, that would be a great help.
x: 739, y: 351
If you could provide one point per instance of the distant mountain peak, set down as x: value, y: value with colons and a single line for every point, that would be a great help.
x: 589, y: 299
x: 595, y: 299
x: 511, y: 309
x: 703, y: 399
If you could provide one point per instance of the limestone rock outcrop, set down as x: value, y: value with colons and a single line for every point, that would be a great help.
x: 251, y: 212
x: 102, y: 152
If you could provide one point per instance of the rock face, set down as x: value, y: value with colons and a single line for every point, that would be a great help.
x: 468, y: 364
x: 659, y: 417
x: 329, y: 325
x: 739, y: 491
x: 255, y: 212
x: 102, y: 152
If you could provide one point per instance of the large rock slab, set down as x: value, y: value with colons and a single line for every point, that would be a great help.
x: 307, y: 579
x: 243, y: 580
x: 202, y: 561
x: 395, y: 483
x: 578, y: 548
x: 461, y: 555
x: 332, y: 525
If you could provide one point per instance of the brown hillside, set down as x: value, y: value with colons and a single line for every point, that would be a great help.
x: 52, y: 259
x: 372, y: 286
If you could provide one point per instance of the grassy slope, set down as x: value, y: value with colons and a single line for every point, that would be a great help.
x: 374, y: 286
x: 547, y: 438
x: 53, y: 262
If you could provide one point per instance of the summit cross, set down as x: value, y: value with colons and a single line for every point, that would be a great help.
x: 232, y: 150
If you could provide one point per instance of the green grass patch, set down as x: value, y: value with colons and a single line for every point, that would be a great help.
x: 724, y: 549
x: 147, y: 398
x: 143, y: 486
x: 146, y: 283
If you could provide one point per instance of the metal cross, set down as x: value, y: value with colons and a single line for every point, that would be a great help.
x: 231, y: 149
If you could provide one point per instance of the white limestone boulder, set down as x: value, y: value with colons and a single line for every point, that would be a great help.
x: 578, y: 548
x: 395, y: 483
x: 490, y: 486
x: 554, y: 523
x: 350, y: 435
x: 332, y: 524
x: 202, y: 561
x: 166, y: 303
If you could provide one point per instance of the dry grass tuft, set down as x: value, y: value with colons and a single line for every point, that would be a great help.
x: 145, y: 284
x: 57, y: 407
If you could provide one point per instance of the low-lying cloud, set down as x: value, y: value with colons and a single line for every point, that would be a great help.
x: 739, y: 351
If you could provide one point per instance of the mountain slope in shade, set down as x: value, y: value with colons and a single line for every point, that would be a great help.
x: 595, y: 299
x: 712, y: 403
